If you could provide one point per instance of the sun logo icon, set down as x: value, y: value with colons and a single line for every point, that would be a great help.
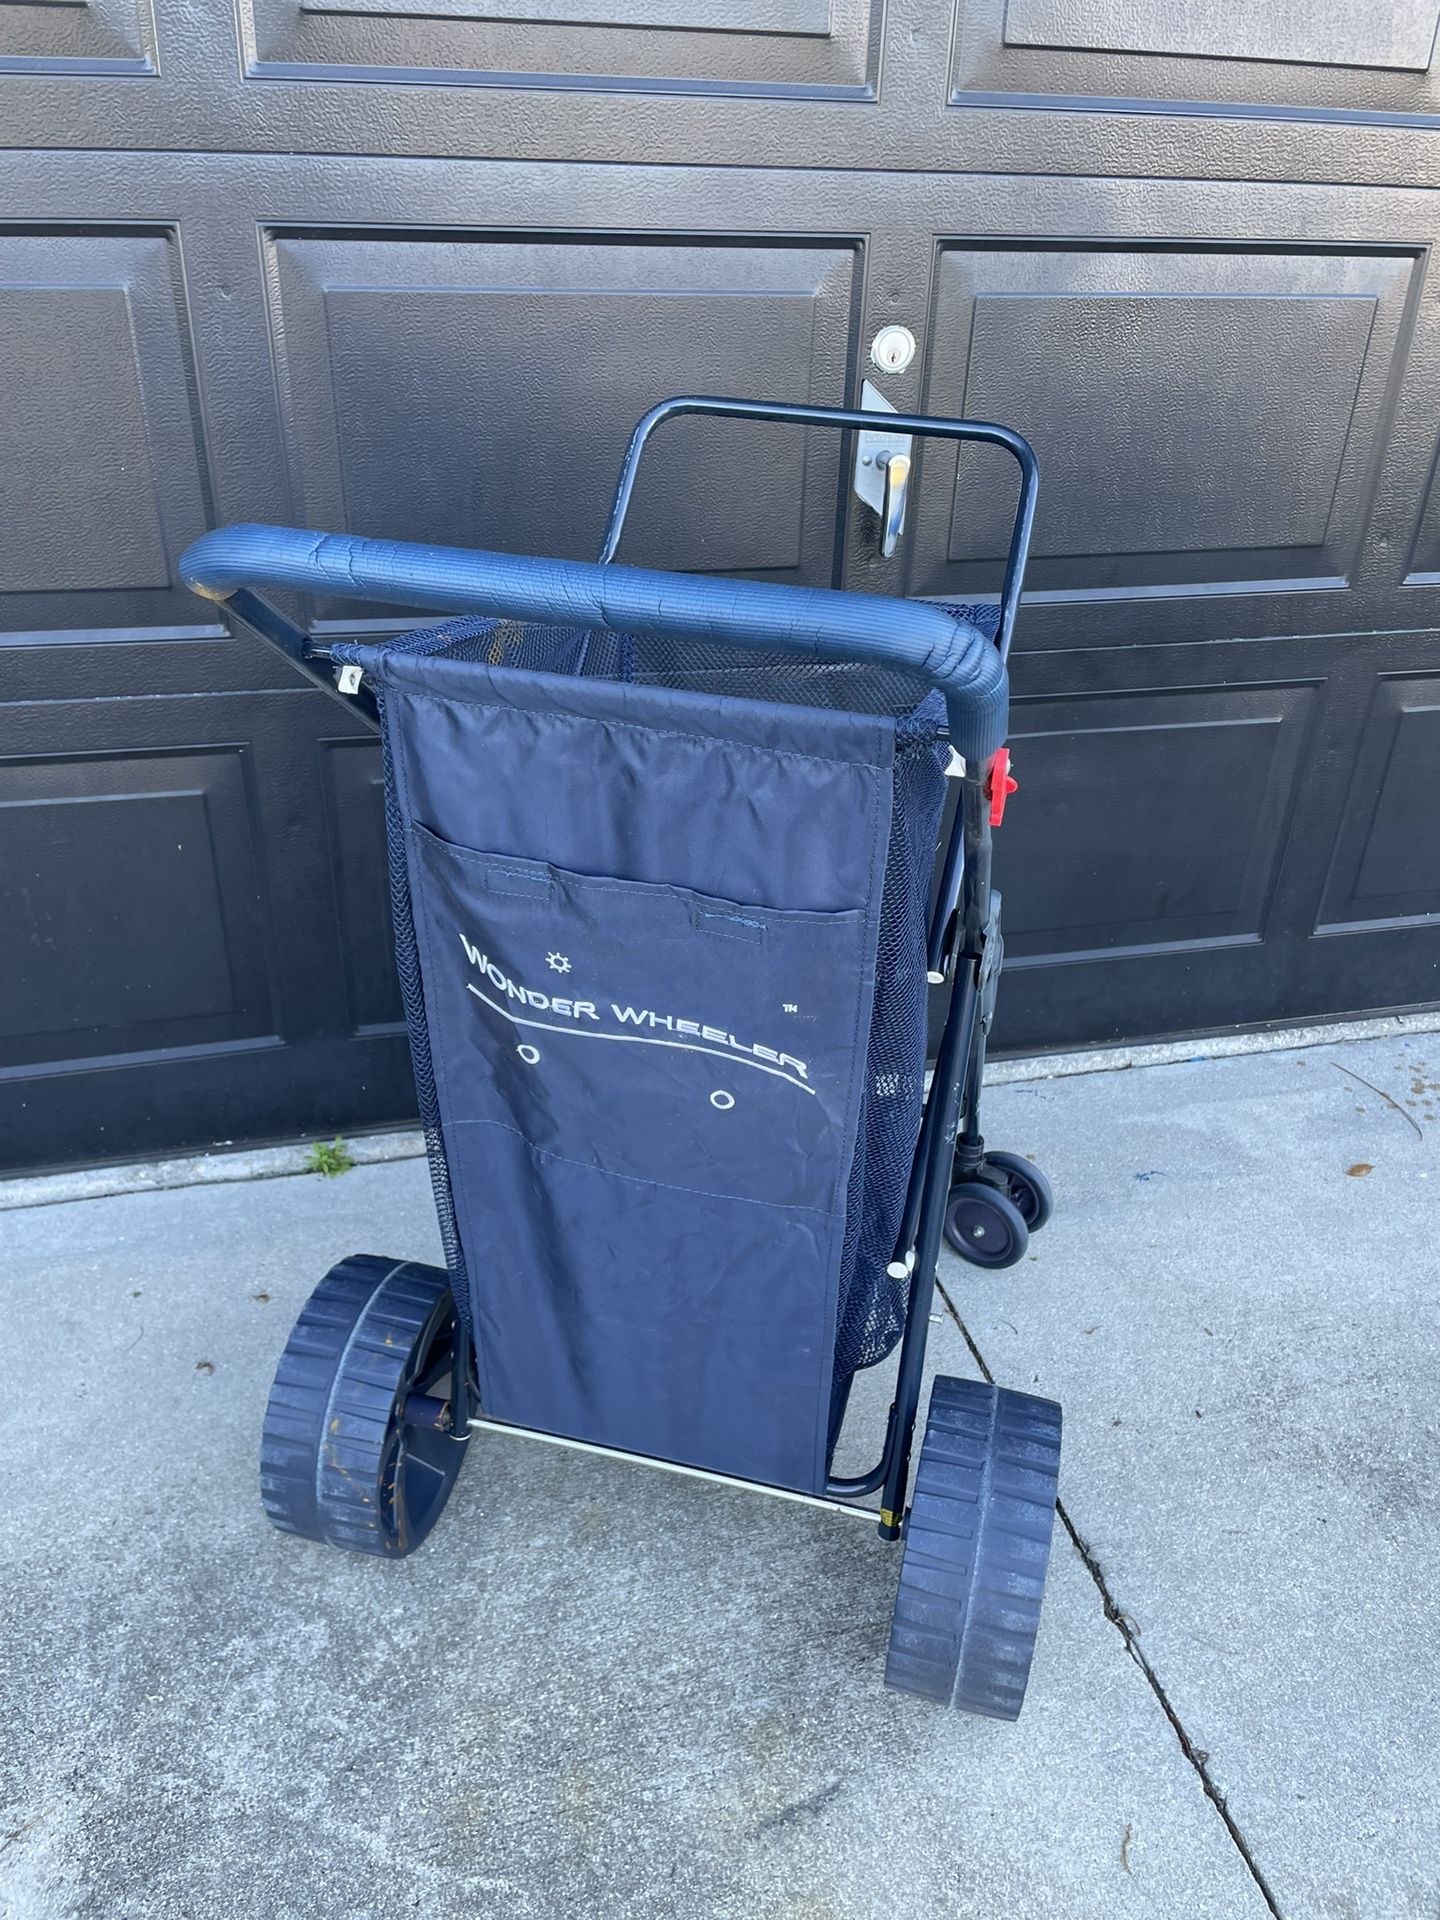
x: 558, y: 962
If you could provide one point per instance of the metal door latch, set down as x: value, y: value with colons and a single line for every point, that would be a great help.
x: 882, y: 471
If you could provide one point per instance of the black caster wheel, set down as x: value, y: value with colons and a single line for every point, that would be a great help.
x: 984, y: 1225
x: 977, y: 1544
x: 1026, y: 1185
x: 356, y: 1449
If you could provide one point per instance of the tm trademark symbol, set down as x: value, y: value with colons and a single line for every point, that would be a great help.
x: 791, y: 1007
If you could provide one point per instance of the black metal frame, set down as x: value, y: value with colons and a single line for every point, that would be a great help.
x: 963, y: 938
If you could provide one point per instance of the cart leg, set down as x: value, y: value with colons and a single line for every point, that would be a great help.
x: 957, y: 1047
x: 997, y: 1200
x: 969, y: 1143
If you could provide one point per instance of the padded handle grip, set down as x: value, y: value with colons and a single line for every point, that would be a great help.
x: 813, y: 623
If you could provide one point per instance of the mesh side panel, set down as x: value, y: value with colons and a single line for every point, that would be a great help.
x: 532, y: 649
x: 746, y: 675
x: 871, y: 1312
x: 737, y: 672
x: 872, y: 1308
x: 872, y: 1305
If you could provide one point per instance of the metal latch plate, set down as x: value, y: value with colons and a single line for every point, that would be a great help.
x: 874, y: 449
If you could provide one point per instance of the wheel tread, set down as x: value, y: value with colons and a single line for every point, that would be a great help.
x: 977, y: 1546
x: 327, y: 1427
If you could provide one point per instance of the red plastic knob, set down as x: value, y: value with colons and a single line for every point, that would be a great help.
x: 999, y: 785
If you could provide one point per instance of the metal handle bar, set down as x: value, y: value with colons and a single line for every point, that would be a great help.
x: 815, y: 623
x: 921, y: 425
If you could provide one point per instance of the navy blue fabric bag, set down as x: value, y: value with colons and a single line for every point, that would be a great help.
x: 661, y: 939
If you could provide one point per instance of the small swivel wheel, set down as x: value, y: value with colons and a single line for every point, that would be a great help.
x: 984, y: 1225
x: 991, y: 1213
x: 977, y: 1545
x: 356, y: 1449
x: 1026, y: 1185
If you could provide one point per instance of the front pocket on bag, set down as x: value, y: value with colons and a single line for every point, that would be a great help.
x: 647, y: 1032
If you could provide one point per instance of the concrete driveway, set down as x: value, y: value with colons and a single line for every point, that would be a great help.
x: 603, y: 1692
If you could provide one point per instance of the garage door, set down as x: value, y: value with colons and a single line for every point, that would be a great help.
x: 413, y: 267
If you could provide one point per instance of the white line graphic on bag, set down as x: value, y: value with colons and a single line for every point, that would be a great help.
x: 637, y: 1040
x: 576, y: 1016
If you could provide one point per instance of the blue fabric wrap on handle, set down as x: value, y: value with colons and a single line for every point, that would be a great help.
x: 811, y: 623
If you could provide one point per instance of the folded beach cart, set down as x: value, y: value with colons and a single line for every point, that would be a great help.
x: 668, y: 924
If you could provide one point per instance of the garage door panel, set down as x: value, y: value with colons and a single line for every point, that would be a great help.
x: 1212, y: 773
x: 1211, y: 421
x: 354, y: 787
x: 1219, y: 835
x: 784, y: 47
x: 76, y: 37
x: 1102, y: 1002
x: 179, y: 923
x: 1350, y: 33
x: 1287, y: 56
x: 1424, y: 563
x: 136, y: 890
x: 1386, y: 866
x: 102, y: 476
x: 481, y: 392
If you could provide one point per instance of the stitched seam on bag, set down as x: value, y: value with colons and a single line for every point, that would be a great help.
x: 654, y: 894
x: 645, y: 1179
x: 745, y: 939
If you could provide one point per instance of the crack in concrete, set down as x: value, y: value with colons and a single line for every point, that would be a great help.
x: 798, y: 1810
x: 1197, y: 1757
x: 1126, y: 1628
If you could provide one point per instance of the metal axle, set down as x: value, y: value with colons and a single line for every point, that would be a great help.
x: 674, y: 1466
